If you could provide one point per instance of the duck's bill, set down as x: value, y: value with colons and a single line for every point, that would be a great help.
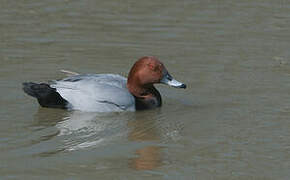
x: 167, y: 79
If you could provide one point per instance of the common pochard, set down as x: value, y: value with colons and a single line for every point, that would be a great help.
x: 106, y: 92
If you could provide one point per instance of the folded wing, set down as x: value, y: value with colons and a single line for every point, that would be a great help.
x: 96, y: 92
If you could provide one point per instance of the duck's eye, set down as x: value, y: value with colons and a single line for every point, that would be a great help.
x: 151, y: 67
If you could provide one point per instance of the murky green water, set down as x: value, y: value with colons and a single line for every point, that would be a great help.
x: 232, y: 122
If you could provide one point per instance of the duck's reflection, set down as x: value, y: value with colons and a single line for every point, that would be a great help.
x: 74, y: 130
x: 81, y: 130
x: 144, y: 129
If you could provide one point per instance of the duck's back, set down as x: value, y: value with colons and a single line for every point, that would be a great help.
x: 96, y: 92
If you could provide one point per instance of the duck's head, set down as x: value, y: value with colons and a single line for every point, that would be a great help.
x: 147, y: 71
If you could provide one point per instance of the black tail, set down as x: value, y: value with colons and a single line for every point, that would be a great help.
x: 46, y: 96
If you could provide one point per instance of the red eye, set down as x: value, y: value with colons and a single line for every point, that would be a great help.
x: 151, y: 66
x: 155, y: 68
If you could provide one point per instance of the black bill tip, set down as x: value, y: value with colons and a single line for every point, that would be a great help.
x: 182, y: 86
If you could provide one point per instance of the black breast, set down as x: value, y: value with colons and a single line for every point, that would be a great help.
x: 147, y: 103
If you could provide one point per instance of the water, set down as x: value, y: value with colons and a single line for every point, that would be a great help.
x: 232, y: 122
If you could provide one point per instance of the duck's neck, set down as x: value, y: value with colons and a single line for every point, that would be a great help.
x: 146, y: 96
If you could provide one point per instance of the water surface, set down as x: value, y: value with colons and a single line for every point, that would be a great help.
x: 232, y: 122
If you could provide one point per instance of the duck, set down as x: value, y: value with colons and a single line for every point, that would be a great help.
x: 106, y: 92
